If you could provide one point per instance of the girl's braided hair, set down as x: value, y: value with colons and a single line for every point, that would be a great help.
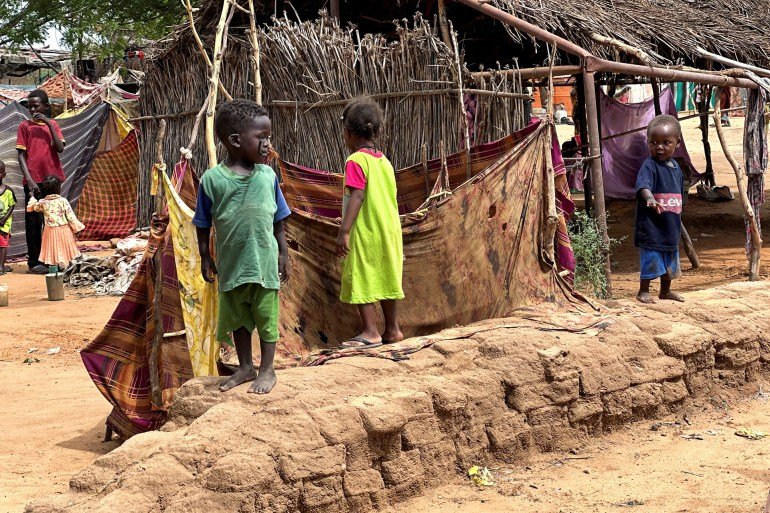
x: 363, y: 117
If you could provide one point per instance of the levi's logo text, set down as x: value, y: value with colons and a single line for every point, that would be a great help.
x: 670, y: 202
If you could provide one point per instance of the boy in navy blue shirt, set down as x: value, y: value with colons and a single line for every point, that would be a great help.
x: 659, y: 196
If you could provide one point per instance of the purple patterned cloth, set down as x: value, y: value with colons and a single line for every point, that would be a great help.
x: 623, y: 156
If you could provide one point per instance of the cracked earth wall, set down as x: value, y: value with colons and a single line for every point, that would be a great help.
x: 359, y: 434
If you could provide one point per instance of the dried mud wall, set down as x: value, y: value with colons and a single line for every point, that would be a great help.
x: 359, y: 434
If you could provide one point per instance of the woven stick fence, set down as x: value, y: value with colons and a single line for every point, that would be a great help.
x: 309, y: 71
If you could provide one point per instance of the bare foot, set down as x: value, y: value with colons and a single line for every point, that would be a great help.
x: 264, y: 382
x: 645, y: 297
x: 241, y: 376
x: 390, y: 337
x: 672, y: 296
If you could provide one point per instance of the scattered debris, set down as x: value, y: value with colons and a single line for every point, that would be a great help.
x: 31, y: 350
x: 693, y: 436
x: 481, y: 476
x: 53, y: 351
x: 31, y: 360
x: 656, y: 426
x: 751, y: 434
x: 628, y: 503
x: 761, y: 395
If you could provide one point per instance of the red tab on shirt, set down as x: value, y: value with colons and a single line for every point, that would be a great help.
x: 670, y: 202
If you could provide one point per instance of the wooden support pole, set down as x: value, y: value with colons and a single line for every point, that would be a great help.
x: 157, y: 275
x: 443, y: 24
x: 656, y: 96
x: 583, y: 126
x: 597, y: 180
x: 461, y: 96
x: 755, y: 238
x: 255, y: 49
x: 689, y: 247
x: 189, y: 9
x: 211, y: 143
x: 334, y: 8
x: 703, y: 106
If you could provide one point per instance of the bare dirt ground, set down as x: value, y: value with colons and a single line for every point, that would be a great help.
x: 52, y: 415
x: 655, y: 466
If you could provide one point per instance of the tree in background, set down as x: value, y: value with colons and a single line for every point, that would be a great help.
x: 90, y: 28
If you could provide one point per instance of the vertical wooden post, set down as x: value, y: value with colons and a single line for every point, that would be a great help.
x: 442, y: 23
x: 597, y: 180
x: 255, y: 52
x: 157, y: 276
x: 755, y: 237
x: 463, y: 113
x: 656, y: 95
x: 425, y: 169
x: 211, y: 143
x: 587, y: 189
x: 334, y: 8
x: 703, y: 106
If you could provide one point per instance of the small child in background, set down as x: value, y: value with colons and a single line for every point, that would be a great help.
x: 7, y: 204
x: 242, y: 199
x: 58, y: 247
x: 370, y: 234
x: 660, y: 197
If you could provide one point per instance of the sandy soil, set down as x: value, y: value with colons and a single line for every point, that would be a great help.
x: 53, y: 415
x: 666, y: 466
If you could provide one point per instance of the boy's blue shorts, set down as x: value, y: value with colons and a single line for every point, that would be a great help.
x: 654, y: 264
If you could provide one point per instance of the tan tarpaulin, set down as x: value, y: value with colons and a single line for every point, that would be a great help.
x: 472, y: 253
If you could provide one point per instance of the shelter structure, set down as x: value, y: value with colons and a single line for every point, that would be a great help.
x: 465, y: 189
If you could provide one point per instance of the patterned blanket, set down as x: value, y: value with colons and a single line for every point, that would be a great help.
x: 107, y: 205
x: 119, y: 358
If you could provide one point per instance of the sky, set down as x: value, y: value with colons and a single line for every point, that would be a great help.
x: 52, y: 39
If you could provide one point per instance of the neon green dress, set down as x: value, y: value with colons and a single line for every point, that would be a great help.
x: 372, y: 271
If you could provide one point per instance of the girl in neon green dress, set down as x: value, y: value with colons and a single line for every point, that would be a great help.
x: 370, y: 234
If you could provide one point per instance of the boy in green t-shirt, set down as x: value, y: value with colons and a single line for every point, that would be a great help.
x: 241, y: 198
x: 7, y: 203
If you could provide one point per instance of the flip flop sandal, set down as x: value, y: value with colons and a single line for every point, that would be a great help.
x: 365, y: 344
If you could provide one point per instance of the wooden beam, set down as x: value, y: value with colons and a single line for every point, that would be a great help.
x: 755, y: 238
x: 597, y: 180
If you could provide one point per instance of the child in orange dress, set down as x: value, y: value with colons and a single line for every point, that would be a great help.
x: 58, y: 247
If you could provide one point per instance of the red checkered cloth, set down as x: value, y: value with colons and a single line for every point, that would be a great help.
x: 107, y: 205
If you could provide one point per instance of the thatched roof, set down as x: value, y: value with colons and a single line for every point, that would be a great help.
x: 670, y: 29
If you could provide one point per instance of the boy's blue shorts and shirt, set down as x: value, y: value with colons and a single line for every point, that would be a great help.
x: 657, y: 235
x: 243, y: 210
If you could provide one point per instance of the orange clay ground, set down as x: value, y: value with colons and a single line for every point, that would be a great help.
x: 52, y: 416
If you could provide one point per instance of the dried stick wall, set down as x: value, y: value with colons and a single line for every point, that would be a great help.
x: 309, y: 71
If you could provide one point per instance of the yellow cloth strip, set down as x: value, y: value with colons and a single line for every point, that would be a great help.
x: 199, y: 299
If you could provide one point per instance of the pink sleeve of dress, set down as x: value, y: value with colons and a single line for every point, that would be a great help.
x: 354, y: 176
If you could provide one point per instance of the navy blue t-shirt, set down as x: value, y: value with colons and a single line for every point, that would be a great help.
x: 660, y: 232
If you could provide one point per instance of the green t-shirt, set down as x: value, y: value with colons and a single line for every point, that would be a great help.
x: 7, y: 201
x: 243, y: 211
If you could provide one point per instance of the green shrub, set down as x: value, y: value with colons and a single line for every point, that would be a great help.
x: 589, y: 254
